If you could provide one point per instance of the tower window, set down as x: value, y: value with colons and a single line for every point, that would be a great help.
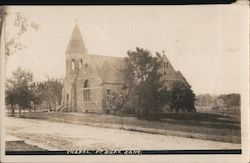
x: 164, y: 72
x: 108, y: 91
x: 80, y: 63
x: 73, y: 64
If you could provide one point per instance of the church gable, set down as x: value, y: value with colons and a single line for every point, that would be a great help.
x: 167, y: 64
x: 167, y: 70
x: 169, y: 75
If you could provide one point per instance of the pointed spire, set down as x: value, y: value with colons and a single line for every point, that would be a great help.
x: 76, y: 43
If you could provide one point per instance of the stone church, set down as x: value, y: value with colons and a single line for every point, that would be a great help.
x: 90, y: 78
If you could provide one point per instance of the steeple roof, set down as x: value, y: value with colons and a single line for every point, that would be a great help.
x: 76, y: 43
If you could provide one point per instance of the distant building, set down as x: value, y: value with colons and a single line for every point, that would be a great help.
x: 90, y: 78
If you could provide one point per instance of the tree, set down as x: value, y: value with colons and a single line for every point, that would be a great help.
x: 21, y: 24
x: 117, y: 102
x: 49, y: 91
x: 11, y: 97
x: 205, y: 99
x: 12, y: 43
x: 229, y: 100
x: 142, y: 80
x: 235, y: 99
x: 38, y: 94
x: 181, y: 97
x: 117, y: 99
x: 19, y: 89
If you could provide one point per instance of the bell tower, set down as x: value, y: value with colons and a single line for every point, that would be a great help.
x: 75, y: 54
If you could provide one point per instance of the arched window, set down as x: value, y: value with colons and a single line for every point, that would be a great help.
x: 73, y: 64
x: 80, y: 63
x: 86, y: 91
x: 86, y: 84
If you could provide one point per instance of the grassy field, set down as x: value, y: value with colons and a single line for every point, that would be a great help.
x: 205, y: 126
x: 21, y: 146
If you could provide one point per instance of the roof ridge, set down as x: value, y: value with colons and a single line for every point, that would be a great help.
x: 108, y: 56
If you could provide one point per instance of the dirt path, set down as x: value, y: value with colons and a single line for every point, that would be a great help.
x: 63, y: 136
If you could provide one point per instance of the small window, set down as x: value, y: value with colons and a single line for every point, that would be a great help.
x: 108, y: 91
x: 73, y: 64
x: 164, y: 72
x: 165, y: 64
x: 80, y: 63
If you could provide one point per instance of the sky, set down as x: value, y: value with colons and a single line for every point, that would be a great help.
x: 208, y: 44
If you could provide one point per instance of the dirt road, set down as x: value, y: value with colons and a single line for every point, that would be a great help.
x: 64, y: 136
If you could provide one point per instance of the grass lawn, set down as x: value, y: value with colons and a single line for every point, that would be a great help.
x: 21, y: 146
x: 205, y: 126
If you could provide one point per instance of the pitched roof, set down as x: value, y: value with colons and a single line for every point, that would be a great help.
x: 108, y: 68
x: 182, y: 78
x: 172, y: 74
x: 76, y: 43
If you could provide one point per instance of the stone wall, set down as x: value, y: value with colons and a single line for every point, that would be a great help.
x: 94, y: 104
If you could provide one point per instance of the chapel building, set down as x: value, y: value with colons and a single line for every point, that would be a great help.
x: 90, y: 78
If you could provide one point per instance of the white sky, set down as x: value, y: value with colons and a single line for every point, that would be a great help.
x: 208, y: 44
